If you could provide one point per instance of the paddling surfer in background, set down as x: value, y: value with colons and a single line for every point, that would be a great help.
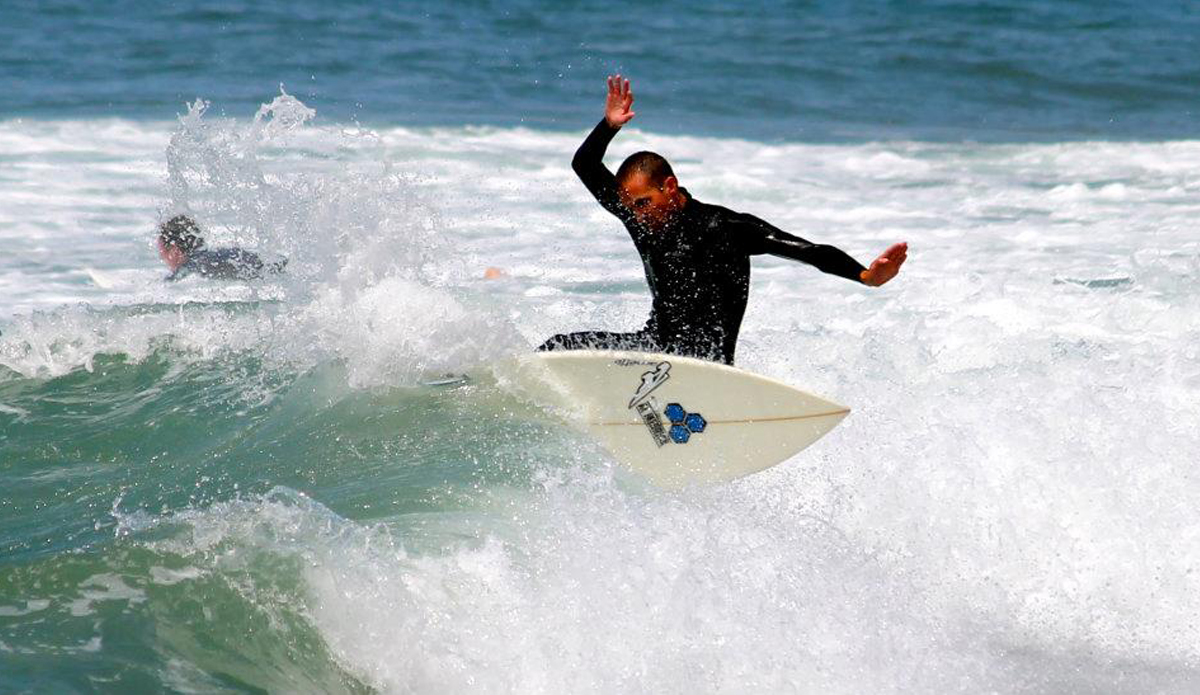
x: 184, y: 251
x: 696, y: 256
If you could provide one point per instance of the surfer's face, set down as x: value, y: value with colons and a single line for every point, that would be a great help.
x: 171, y: 254
x: 652, y: 205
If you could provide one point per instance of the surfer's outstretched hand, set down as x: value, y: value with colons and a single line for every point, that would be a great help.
x: 618, y: 107
x: 886, y: 266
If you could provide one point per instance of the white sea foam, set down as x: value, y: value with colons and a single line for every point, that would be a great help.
x: 766, y: 585
x: 368, y: 278
x: 1009, y: 507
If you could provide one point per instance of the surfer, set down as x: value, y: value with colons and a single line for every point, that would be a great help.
x: 183, y: 250
x: 696, y: 256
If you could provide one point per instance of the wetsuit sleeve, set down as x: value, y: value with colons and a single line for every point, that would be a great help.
x: 227, y: 264
x: 763, y: 237
x: 588, y: 164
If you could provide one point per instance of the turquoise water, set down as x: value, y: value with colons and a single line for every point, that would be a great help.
x: 160, y: 536
x: 244, y: 487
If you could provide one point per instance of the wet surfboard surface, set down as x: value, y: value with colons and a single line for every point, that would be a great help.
x: 677, y: 420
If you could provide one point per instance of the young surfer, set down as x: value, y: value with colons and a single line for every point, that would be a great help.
x: 183, y: 250
x: 696, y: 256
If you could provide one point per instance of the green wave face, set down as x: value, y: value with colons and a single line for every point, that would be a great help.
x: 158, y: 521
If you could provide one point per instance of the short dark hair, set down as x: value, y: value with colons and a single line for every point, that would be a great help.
x: 652, y: 164
x: 182, y: 232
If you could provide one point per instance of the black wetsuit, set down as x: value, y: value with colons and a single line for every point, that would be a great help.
x: 698, y: 267
x: 225, y: 264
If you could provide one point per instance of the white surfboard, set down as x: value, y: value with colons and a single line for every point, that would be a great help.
x: 678, y: 420
x: 103, y: 280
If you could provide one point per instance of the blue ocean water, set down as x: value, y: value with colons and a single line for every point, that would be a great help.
x: 245, y: 487
x: 811, y: 71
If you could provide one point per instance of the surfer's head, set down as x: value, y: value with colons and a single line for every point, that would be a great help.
x: 648, y: 187
x: 177, y: 237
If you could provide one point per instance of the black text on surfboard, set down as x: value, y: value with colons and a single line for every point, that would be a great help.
x: 649, y: 415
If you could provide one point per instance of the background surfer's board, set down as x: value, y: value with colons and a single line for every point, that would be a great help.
x: 678, y: 420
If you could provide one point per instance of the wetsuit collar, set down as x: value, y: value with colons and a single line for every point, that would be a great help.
x: 683, y: 212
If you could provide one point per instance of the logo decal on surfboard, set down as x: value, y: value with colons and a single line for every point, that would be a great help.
x: 653, y: 423
x: 650, y: 381
x: 683, y: 423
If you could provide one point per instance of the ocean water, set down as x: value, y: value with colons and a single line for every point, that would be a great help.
x: 244, y: 487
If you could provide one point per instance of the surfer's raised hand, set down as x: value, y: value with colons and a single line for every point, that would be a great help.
x: 886, y: 266
x: 617, y: 109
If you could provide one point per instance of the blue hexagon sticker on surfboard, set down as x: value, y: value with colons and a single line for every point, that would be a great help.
x: 683, y: 423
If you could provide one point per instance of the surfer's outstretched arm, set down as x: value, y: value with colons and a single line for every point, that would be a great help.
x: 588, y: 162
x: 764, y: 237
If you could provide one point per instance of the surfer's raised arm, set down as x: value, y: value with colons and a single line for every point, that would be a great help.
x: 588, y: 162
x: 618, y: 107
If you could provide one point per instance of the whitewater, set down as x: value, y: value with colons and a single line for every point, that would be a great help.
x: 214, y: 487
